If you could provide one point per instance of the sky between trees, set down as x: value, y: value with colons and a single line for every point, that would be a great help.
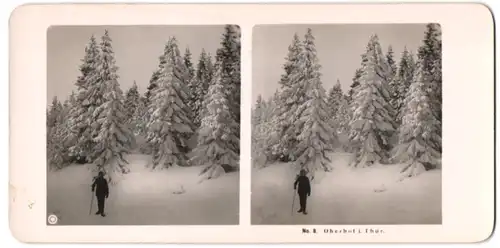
x: 339, y: 48
x: 137, y: 50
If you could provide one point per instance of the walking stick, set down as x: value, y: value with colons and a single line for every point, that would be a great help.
x: 92, y: 197
x: 293, y: 201
x: 91, y: 202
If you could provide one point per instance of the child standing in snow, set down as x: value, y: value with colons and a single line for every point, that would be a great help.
x: 101, y: 189
x: 304, y: 190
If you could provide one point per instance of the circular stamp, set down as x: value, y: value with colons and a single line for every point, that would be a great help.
x: 52, y: 219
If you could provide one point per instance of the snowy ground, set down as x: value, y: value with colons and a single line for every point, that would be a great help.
x: 347, y: 196
x: 143, y: 197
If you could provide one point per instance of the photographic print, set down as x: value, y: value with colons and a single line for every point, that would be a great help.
x: 209, y: 124
x: 143, y: 125
x: 346, y: 124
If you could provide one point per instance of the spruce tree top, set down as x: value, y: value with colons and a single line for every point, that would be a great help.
x: 294, y: 51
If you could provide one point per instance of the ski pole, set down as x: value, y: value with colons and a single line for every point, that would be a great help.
x: 293, y: 201
x: 91, y: 202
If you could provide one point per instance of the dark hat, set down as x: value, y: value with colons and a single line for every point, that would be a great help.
x: 101, y: 173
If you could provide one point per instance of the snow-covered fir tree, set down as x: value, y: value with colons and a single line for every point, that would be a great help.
x: 66, y: 136
x: 403, y: 80
x: 343, y: 116
x: 290, y: 97
x: 147, y: 100
x: 54, y: 111
x: 263, y: 137
x: 54, y: 136
x: 355, y: 83
x: 59, y: 136
x: 142, y: 125
x: 391, y: 64
x: 372, y: 120
x: 257, y: 112
x: 71, y: 100
x: 186, y: 74
x: 217, y: 147
x: 148, y: 95
x: 316, y: 137
x: 192, y: 82
x: 431, y: 52
x: 138, y: 119
x: 392, y: 73
x: 419, y: 131
x: 355, y: 80
x: 291, y: 62
x: 132, y: 99
x: 56, y: 151
x: 189, y: 81
x: 203, y: 77
x: 88, y: 97
x: 338, y: 103
x: 189, y: 63
x: 229, y: 58
x: 113, y: 138
x: 169, y: 118
x: 269, y: 132
x: 335, y: 98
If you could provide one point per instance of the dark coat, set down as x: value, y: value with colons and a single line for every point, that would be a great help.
x: 100, y: 186
x: 304, y: 185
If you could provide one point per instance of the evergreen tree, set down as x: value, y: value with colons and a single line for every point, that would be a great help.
x: 203, y: 78
x: 147, y: 102
x: 257, y: 113
x: 209, y: 68
x: 265, y: 137
x: 269, y: 132
x: 189, y: 81
x: 269, y: 107
x: 403, y: 81
x: 54, y: 148
x: 391, y: 78
x: 54, y: 111
x: 217, y: 143
x: 372, y: 123
x: 228, y: 57
x: 430, y: 51
x: 316, y: 136
x: 66, y: 107
x: 419, y: 132
x: 88, y: 97
x: 355, y: 83
x: 72, y: 99
x: 58, y: 133
x: 169, y: 118
x: 192, y: 83
x: 152, y: 84
x: 343, y: 116
x: 113, y: 138
x: 291, y: 62
x: 131, y: 102
x: 186, y: 74
x: 189, y: 64
x: 66, y: 138
x: 335, y: 98
x: 357, y: 76
x: 391, y: 64
x: 290, y: 97
x: 138, y: 120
